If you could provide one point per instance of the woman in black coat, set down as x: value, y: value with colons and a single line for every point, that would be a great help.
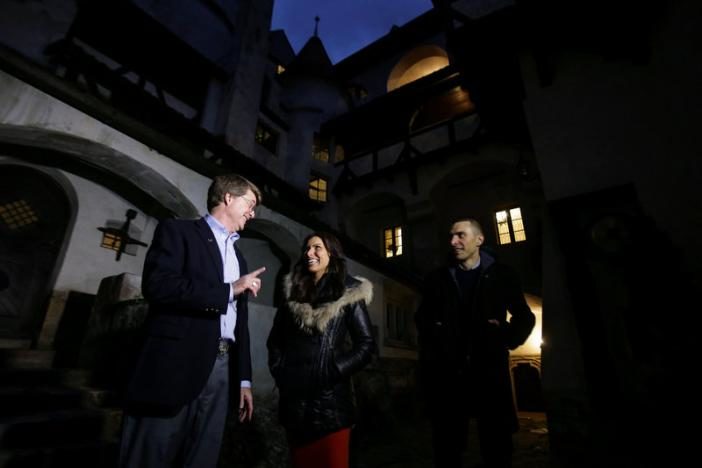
x: 310, y: 357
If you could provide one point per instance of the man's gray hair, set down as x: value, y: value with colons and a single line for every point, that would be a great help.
x: 230, y: 183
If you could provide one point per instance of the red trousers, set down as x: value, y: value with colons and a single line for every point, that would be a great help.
x: 331, y: 451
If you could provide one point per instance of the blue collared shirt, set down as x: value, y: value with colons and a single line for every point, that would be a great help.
x: 225, y: 243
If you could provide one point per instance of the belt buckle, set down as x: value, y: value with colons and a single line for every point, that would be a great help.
x: 223, y: 347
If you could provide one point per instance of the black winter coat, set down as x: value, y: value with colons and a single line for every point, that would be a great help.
x: 312, y: 363
x: 471, y: 353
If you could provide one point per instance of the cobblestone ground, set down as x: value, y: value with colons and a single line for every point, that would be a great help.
x: 393, y: 439
x: 407, y: 444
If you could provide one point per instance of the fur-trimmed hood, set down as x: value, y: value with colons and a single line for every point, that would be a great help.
x: 315, y: 319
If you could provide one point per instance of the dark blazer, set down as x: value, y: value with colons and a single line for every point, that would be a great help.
x: 184, y: 285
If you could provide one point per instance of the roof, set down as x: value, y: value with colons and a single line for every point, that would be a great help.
x: 312, y: 60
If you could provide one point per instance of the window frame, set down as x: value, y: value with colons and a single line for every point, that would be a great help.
x: 272, y: 134
x: 320, y: 148
x: 318, y: 177
x: 396, y: 233
x: 512, y: 235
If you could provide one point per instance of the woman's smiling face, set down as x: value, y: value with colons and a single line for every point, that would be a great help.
x: 317, y: 257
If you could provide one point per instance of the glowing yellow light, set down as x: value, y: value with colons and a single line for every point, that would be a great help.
x: 535, y: 342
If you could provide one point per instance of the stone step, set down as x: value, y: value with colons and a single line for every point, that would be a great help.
x: 36, y: 376
x: 52, y: 429
x: 26, y: 358
x: 18, y: 400
x: 76, y: 377
x: 42, y: 376
x: 15, y: 343
x: 20, y: 385
x: 112, y: 424
x: 99, y: 398
x: 87, y: 455
x: 47, y: 380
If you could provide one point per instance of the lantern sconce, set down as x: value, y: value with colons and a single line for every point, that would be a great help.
x: 117, y: 239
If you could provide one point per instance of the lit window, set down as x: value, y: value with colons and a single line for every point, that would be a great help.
x: 279, y: 69
x: 502, y: 227
x: 18, y: 214
x: 266, y: 137
x: 417, y: 63
x: 510, y: 226
x: 515, y: 215
x: 393, y: 242
x: 318, y: 189
x: 320, y: 149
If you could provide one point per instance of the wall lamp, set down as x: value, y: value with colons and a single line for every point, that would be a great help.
x: 118, y: 239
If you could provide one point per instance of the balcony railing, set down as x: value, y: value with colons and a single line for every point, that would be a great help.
x: 429, y: 144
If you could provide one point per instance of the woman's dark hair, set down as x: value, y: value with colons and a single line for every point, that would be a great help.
x: 332, y: 284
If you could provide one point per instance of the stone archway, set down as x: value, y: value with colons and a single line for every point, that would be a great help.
x: 269, y: 243
x: 47, y: 152
x: 142, y: 185
x: 266, y: 243
x: 527, y: 386
x: 35, y: 214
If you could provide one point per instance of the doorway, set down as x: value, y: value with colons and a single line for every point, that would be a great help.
x: 34, y: 216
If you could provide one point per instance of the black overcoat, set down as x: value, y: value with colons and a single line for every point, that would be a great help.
x: 469, y: 357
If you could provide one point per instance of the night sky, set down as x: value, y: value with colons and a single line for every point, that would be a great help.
x: 345, y: 25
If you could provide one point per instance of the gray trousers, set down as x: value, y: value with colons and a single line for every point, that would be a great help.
x: 191, y: 438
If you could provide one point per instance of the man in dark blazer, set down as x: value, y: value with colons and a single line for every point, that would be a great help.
x: 464, y: 342
x: 195, y: 351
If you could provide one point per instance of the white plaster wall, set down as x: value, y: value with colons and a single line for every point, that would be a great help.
x: 24, y: 105
x: 260, y: 323
x: 299, y: 231
x: 85, y: 263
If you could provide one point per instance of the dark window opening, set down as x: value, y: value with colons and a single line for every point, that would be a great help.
x: 267, y: 137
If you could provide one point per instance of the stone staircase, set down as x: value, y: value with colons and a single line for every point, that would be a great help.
x: 52, y: 417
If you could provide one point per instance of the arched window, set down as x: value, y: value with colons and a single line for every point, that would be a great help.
x: 417, y: 63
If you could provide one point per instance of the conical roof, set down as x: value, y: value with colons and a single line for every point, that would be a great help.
x: 312, y: 60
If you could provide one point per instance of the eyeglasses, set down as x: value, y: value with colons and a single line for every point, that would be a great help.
x: 252, y: 203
